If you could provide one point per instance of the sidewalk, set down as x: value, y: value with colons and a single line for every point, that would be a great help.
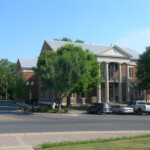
x: 25, y: 141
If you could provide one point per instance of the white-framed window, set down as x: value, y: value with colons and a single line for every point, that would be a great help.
x: 130, y: 72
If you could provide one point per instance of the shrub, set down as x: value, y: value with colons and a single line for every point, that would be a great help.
x: 53, y: 110
x: 65, y: 110
x: 43, y: 108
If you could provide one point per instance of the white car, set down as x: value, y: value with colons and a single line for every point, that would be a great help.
x: 122, y: 109
x: 140, y: 107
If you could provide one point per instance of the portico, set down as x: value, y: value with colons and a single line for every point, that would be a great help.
x: 115, y: 60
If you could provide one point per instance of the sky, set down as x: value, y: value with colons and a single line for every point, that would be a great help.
x: 25, y: 24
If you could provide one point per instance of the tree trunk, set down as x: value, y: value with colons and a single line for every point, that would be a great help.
x: 68, y: 100
x: 6, y: 95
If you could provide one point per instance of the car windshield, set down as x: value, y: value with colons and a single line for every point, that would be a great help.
x: 141, y: 103
x: 107, y: 106
x: 95, y: 104
x: 125, y: 107
x: 130, y: 103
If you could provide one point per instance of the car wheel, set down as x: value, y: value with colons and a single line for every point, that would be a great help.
x: 88, y: 112
x: 140, y: 112
x: 99, y: 112
x: 120, y: 112
x: 135, y: 112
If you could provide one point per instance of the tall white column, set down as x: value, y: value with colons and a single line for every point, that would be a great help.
x: 127, y: 84
x: 99, y: 93
x: 106, y: 83
x: 99, y: 89
x: 114, y: 85
x: 120, y: 82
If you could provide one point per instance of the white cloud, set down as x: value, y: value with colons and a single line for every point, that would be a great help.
x: 137, y: 40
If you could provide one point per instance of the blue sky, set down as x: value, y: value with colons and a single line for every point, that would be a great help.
x: 25, y: 24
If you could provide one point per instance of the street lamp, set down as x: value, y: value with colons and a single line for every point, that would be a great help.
x: 30, y: 84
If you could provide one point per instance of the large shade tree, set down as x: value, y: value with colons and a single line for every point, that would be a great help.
x: 143, y: 70
x: 7, y: 76
x: 66, y: 68
x: 21, y: 89
x: 92, y: 78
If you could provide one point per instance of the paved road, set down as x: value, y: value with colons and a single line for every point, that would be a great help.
x: 12, y: 121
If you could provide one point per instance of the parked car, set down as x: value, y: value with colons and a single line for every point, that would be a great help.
x: 140, y: 107
x: 100, y: 108
x: 122, y: 109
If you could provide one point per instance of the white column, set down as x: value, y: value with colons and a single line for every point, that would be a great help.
x: 114, y: 85
x: 99, y: 93
x: 119, y: 83
x: 99, y: 89
x: 106, y: 83
x: 127, y: 84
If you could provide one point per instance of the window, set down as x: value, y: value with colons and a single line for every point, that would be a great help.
x: 130, y: 72
x: 103, y: 72
x: 83, y: 95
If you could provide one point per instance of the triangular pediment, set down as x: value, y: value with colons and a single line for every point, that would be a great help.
x: 114, y: 51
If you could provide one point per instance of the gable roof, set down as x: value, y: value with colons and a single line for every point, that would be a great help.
x: 28, y: 62
x: 96, y: 49
x: 93, y: 48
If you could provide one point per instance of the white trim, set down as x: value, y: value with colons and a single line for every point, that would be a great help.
x: 118, y: 48
x: 113, y: 59
x: 27, y: 70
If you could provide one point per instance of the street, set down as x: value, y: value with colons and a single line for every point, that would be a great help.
x: 12, y: 121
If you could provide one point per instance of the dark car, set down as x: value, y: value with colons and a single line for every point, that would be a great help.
x: 100, y: 108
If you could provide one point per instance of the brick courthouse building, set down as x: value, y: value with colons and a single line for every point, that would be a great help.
x: 118, y: 72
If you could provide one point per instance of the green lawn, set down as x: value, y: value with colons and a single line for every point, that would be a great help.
x: 126, y: 143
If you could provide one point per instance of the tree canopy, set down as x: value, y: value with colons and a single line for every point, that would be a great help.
x: 143, y: 70
x: 7, y: 76
x: 68, y: 69
x: 79, y: 41
x: 21, y: 89
x: 69, y: 40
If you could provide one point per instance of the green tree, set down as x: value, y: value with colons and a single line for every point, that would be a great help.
x: 143, y: 70
x: 66, y: 39
x: 90, y: 80
x: 7, y: 76
x: 21, y: 90
x: 64, y: 69
x: 79, y: 41
x: 69, y: 40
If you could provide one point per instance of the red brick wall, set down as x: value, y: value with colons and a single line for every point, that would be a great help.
x: 32, y: 76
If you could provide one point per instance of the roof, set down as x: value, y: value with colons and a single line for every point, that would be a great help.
x: 28, y: 62
x: 133, y: 53
x: 92, y: 47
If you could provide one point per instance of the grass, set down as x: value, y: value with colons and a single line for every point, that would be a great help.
x: 125, y: 143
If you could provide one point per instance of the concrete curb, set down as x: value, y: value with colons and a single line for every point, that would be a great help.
x: 76, y: 132
x: 16, y: 148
